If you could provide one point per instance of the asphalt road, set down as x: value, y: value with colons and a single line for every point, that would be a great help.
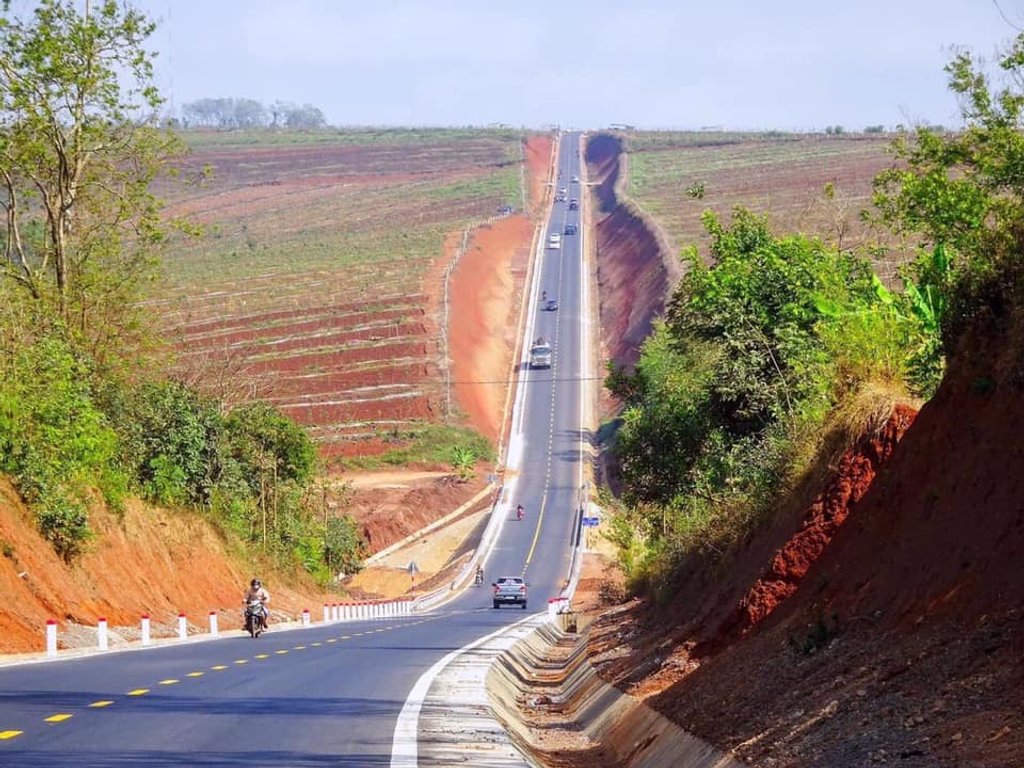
x: 329, y: 695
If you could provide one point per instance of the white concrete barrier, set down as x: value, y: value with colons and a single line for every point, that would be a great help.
x: 213, y: 623
x: 144, y: 634
x: 557, y: 605
x: 182, y: 627
x: 51, y: 637
x: 102, y: 641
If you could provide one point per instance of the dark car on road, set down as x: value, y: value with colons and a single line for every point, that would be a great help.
x: 571, y: 229
x: 551, y: 305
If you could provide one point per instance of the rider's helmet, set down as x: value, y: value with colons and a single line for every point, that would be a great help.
x: 255, y: 584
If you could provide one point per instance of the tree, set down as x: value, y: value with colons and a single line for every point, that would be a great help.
x: 964, y: 194
x: 79, y: 146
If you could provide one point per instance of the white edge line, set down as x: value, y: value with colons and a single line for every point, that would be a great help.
x: 405, y: 744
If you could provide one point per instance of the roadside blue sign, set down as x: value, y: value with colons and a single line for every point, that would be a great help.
x: 590, y: 522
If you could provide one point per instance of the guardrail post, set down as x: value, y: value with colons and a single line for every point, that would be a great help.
x: 101, y: 634
x: 213, y: 623
x: 305, y: 617
x: 327, y: 616
x: 182, y: 627
x: 51, y: 637
x: 144, y: 635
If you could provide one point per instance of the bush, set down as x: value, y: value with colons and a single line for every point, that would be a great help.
x: 54, y: 441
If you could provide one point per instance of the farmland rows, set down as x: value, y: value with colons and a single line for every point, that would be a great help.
x: 783, y: 176
x: 314, y: 278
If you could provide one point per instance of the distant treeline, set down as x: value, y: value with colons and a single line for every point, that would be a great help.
x: 231, y: 113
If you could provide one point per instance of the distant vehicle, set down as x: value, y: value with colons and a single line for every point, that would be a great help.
x: 559, y: 198
x: 574, y: 204
x: 552, y: 305
x: 570, y: 229
x: 563, y: 191
x: 575, y: 179
x: 540, y: 354
x: 554, y: 240
x: 509, y: 590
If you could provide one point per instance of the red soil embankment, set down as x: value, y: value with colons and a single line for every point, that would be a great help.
x: 537, y: 150
x: 485, y: 294
x: 144, y: 561
x: 898, y: 637
x: 635, y: 271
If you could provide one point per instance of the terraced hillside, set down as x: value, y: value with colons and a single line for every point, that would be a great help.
x: 783, y: 175
x: 316, y: 283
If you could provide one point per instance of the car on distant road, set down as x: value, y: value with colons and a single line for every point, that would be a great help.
x: 563, y: 191
x: 551, y: 305
x: 571, y: 229
x: 574, y: 204
x: 575, y: 179
x: 540, y: 354
x: 509, y: 590
x: 559, y: 198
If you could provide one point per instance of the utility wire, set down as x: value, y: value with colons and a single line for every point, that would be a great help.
x: 1005, y: 18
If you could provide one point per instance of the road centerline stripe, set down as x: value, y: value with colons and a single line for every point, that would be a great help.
x: 100, y: 704
x: 5, y: 735
x: 58, y: 718
x: 138, y: 692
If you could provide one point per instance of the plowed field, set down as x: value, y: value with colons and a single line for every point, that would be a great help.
x: 317, y: 281
x: 783, y: 175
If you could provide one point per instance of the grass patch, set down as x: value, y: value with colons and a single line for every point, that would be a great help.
x: 428, y: 444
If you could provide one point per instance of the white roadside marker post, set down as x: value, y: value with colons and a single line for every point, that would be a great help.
x: 145, y: 629
x: 101, y: 633
x: 182, y: 627
x: 213, y: 623
x: 51, y: 638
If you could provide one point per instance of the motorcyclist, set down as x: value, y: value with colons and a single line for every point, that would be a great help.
x: 520, y: 512
x: 543, y: 295
x: 258, y: 592
x: 479, y: 574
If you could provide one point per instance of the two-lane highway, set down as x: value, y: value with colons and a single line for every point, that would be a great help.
x: 329, y: 695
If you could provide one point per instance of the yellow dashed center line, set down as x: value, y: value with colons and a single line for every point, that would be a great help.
x: 169, y: 681
x: 299, y: 648
x: 333, y: 640
x: 58, y: 718
x: 343, y: 637
x: 262, y: 656
x: 241, y: 661
x: 139, y: 692
x: 195, y: 674
x: 317, y: 645
x: 282, y: 652
x: 101, y: 704
x: 5, y: 735
x: 219, y: 667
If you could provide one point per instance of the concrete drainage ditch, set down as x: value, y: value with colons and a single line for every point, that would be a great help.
x: 556, y: 708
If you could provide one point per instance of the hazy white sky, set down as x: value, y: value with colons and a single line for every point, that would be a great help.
x: 788, y: 64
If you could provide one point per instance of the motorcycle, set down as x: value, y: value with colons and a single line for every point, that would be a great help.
x: 478, y: 580
x: 519, y: 513
x: 255, y: 617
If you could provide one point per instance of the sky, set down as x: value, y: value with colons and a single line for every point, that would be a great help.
x: 735, y: 64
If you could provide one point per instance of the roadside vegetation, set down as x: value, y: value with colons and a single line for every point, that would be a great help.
x: 87, y: 412
x: 785, y: 340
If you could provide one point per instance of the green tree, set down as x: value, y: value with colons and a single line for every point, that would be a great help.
x: 79, y: 148
x: 963, y: 192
